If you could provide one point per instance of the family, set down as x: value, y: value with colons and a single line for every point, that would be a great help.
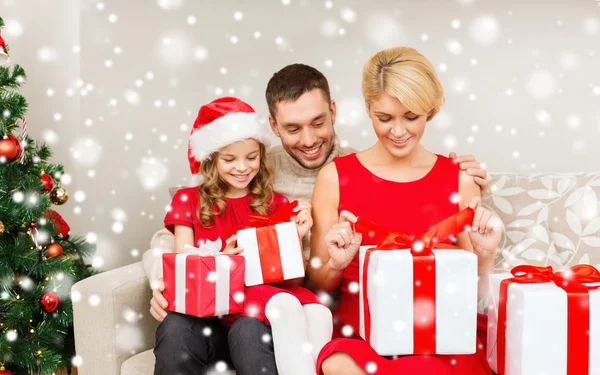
x: 397, y: 183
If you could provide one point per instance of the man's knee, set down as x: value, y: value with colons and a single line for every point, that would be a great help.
x: 249, y: 332
x: 340, y: 364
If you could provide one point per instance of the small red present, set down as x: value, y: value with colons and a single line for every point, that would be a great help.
x: 203, y: 282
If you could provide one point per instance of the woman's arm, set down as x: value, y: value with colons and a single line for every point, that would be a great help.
x: 325, y: 200
x: 183, y: 236
x: 485, y: 233
x: 333, y: 242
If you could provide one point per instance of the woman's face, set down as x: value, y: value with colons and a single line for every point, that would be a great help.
x: 398, y: 129
x: 239, y: 162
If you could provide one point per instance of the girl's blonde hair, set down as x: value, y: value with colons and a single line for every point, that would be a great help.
x: 405, y: 74
x: 213, y: 189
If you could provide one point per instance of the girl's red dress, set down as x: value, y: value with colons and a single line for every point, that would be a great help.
x: 183, y: 211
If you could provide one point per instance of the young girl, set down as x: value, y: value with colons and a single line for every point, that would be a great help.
x: 408, y: 189
x: 227, y: 153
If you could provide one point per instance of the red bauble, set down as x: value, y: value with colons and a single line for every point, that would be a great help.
x: 5, y: 372
x: 47, y: 183
x: 49, y: 302
x: 10, y: 148
x: 54, y: 250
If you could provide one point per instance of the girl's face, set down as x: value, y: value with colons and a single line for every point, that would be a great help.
x: 398, y: 129
x: 239, y: 162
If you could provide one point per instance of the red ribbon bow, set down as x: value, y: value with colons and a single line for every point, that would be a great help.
x: 257, y: 220
x: 578, y: 313
x: 281, y: 216
x: 266, y: 236
x: 423, y: 270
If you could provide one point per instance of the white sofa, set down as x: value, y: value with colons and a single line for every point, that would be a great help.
x: 116, y: 336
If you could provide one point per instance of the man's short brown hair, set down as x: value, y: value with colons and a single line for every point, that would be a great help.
x: 291, y: 82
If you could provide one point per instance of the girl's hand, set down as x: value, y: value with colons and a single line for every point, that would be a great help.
x: 303, y: 218
x: 486, y: 230
x: 231, y: 246
x: 342, y: 242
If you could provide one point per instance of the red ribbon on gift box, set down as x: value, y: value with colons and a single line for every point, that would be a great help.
x: 281, y: 216
x: 578, y: 311
x: 258, y: 220
x: 266, y: 237
x: 421, y: 247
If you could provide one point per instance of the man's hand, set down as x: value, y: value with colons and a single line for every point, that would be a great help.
x: 473, y: 168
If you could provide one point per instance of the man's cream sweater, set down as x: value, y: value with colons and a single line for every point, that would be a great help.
x: 292, y: 179
x: 296, y: 182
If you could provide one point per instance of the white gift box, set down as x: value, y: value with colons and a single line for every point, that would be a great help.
x: 391, y: 301
x: 536, y: 328
x: 273, y: 253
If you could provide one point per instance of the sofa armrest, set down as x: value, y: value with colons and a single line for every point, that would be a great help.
x: 162, y: 242
x: 111, y: 319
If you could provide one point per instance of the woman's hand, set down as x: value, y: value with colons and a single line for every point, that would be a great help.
x: 303, y: 218
x: 486, y: 230
x: 342, y: 242
x: 231, y: 246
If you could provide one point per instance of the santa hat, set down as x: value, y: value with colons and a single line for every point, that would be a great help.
x: 3, y: 47
x: 220, y: 123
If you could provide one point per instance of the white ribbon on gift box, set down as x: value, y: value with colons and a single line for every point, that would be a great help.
x: 223, y: 264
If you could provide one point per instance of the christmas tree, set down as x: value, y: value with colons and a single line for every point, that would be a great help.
x: 39, y: 260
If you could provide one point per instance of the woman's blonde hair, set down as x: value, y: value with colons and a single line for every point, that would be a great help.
x: 405, y: 74
x: 213, y: 189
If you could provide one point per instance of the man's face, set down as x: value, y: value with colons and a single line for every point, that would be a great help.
x: 305, y: 128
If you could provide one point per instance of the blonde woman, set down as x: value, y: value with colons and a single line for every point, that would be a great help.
x: 227, y: 152
x: 401, y: 185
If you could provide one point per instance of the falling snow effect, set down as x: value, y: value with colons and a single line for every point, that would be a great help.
x: 544, y: 92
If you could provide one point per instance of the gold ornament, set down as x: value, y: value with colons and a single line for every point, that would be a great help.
x: 59, y: 196
x: 1, y: 227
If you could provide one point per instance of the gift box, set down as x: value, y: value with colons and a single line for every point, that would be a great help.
x: 273, y: 253
x: 417, y: 300
x: 272, y: 247
x: 551, y: 322
x: 203, y: 282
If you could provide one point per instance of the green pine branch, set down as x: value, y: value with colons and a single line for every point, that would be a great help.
x: 12, y: 79
x: 13, y: 106
x: 44, y: 341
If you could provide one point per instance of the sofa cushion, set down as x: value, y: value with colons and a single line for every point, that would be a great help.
x: 550, y: 219
x: 139, y: 364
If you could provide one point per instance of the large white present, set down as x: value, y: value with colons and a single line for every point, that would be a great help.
x: 400, y: 314
x: 546, y: 332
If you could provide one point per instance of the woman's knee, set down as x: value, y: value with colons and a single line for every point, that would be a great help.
x: 341, y: 364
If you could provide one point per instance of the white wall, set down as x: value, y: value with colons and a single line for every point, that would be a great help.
x: 522, y: 87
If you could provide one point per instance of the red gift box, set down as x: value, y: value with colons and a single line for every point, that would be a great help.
x: 204, y: 285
